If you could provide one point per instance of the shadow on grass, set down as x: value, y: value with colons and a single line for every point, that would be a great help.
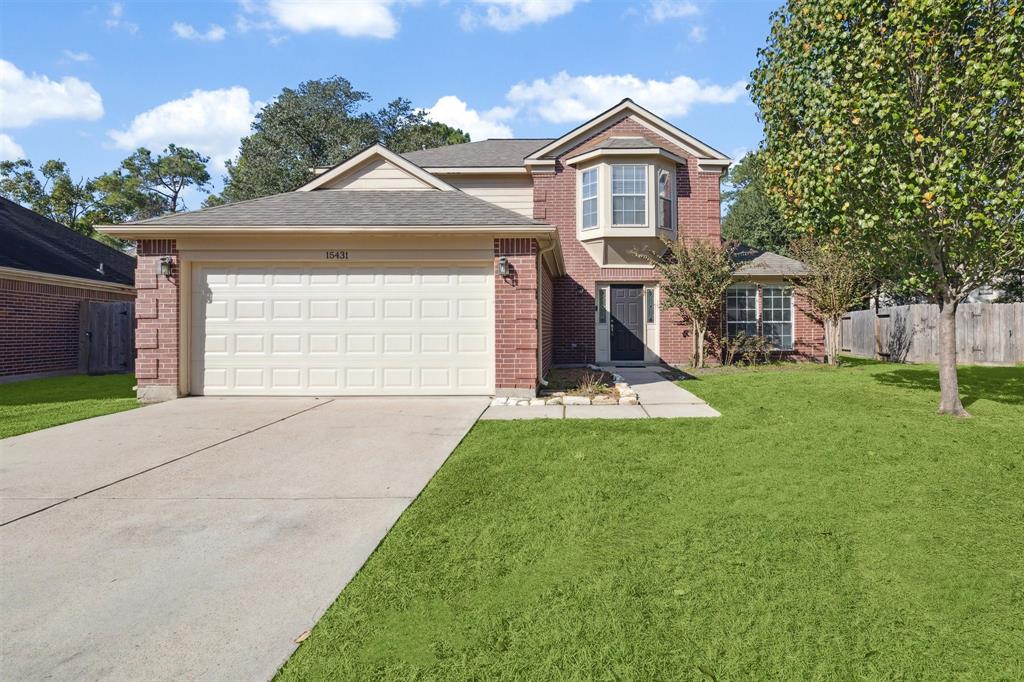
x: 67, y: 389
x: 999, y: 384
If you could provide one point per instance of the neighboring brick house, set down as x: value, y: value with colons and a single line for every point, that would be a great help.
x: 466, y: 269
x: 46, y: 272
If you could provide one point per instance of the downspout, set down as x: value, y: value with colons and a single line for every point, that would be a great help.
x: 540, y: 312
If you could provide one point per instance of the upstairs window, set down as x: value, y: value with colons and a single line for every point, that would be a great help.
x: 665, y: 215
x: 629, y: 194
x: 588, y: 192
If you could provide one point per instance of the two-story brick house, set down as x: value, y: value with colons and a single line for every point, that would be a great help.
x: 467, y: 269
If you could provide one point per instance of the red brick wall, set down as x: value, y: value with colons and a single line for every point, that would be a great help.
x: 554, y: 202
x: 547, y: 312
x: 808, y: 332
x: 39, y: 325
x: 156, y: 315
x: 515, y: 316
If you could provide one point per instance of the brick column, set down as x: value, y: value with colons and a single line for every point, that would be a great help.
x: 156, y: 326
x: 515, y: 318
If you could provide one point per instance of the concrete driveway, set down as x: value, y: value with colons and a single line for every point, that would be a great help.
x: 196, y: 539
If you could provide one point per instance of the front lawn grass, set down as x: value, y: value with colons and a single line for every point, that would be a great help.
x: 828, y: 526
x: 41, y: 403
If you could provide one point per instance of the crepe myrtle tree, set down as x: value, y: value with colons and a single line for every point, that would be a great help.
x: 696, y: 274
x: 897, y: 128
x: 836, y: 283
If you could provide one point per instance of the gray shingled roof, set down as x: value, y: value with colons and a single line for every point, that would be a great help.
x: 350, y: 208
x: 753, y: 262
x: 483, y: 154
x: 29, y: 241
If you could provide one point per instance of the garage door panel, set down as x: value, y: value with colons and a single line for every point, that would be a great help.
x: 342, y: 330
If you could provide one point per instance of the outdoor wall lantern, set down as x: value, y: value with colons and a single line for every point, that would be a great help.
x: 504, y: 267
x: 166, y: 266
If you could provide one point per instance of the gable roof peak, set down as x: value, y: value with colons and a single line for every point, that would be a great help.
x: 627, y: 107
x: 375, y: 150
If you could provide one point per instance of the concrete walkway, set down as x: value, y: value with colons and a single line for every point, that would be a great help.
x: 198, y: 538
x: 658, y: 397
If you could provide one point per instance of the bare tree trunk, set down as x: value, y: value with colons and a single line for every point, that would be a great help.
x: 698, y: 348
x: 949, y: 385
x: 832, y: 341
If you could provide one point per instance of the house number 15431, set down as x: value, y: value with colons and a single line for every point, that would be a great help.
x: 336, y: 255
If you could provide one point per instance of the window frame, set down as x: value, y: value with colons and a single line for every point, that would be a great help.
x: 746, y: 324
x: 596, y: 198
x: 786, y: 310
x: 665, y: 204
x: 644, y: 195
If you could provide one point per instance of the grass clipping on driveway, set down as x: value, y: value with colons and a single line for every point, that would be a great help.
x: 41, y: 403
x: 828, y: 526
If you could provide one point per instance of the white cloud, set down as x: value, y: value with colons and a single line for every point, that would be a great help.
x: 210, y: 121
x: 564, y: 98
x: 77, y: 56
x: 349, y: 18
x: 663, y: 10
x: 26, y: 99
x: 698, y: 33
x: 480, y: 125
x: 510, y: 15
x: 187, y: 31
x: 116, y: 19
x: 9, y: 149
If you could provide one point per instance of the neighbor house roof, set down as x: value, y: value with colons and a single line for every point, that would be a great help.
x: 752, y: 262
x: 349, y: 208
x: 484, y: 154
x: 29, y: 241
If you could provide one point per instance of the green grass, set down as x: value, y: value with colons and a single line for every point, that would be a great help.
x: 828, y: 526
x: 41, y: 403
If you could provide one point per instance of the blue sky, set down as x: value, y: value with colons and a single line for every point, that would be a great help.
x: 88, y: 82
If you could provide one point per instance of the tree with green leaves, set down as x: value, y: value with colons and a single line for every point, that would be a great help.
x: 898, y: 128
x: 146, y: 186
x: 695, y: 275
x: 836, y: 283
x: 51, y: 192
x: 143, y: 186
x: 752, y: 217
x: 318, y: 124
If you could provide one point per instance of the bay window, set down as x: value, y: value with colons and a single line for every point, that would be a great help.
x: 629, y: 194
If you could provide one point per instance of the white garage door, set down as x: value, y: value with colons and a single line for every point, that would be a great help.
x: 342, y: 330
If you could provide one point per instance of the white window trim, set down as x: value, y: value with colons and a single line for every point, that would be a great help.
x: 596, y: 198
x: 672, y: 210
x: 792, y: 314
x: 646, y: 194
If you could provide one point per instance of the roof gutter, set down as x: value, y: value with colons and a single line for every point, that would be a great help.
x: 37, y: 277
x: 141, y: 231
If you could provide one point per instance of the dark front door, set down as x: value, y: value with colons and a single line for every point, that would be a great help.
x: 627, y: 323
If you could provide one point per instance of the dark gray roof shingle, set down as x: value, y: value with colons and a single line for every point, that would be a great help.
x: 29, y: 241
x: 751, y: 262
x: 354, y: 208
x: 483, y: 154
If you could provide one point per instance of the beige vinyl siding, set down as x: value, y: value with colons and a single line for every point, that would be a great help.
x: 378, y: 174
x: 514, y: 192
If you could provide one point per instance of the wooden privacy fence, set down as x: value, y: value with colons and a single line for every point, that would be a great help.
x: 986, y: 333
x: 106, y: 337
